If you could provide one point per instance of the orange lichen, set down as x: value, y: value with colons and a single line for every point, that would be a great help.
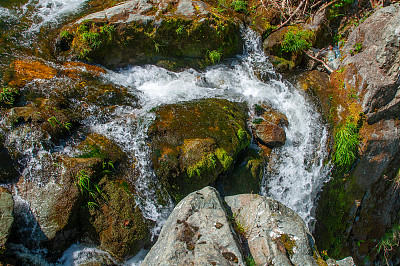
x: 25, y: 71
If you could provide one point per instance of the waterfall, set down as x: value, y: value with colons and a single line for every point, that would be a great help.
x: 294, y: 175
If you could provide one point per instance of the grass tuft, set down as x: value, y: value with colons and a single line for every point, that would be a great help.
x: 346, y: 145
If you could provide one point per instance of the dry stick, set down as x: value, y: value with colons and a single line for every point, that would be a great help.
x: 330, y: 70
x: 294, y: 13
x: 276, y: 5
x: 316, y: 4
x: 305, y: 7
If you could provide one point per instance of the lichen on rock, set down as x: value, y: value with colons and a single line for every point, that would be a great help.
x: 194, y: 142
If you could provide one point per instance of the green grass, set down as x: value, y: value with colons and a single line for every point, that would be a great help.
x: 389, y: 241
x: 346, y: 145
x: 239, y: 6
x: 357, y: 48
x: 8, y: 95
x: 296, y: 40
x: 89, y: 188
x: 214, y: 56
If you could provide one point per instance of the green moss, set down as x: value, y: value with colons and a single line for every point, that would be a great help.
x: 224, y: 158
x: 8, y: 96
x: 206, y: 164
x: 90, y: 37
x: 258, y: 121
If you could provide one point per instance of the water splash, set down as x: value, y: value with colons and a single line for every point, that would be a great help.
x: 297, y: 170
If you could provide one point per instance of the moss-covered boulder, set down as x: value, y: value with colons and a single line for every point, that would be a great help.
x: 194, y: 142
x: 98, y: 146
x: 286, y: 46
x: 173, y: 33
x: 117, y: 223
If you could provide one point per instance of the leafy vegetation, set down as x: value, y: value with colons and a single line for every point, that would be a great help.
x: 296, y: 40
x: 356, y: 48
x: 389, y: 241
x: 8, y: 95
x: 239, y: 6
x: 214, y: 56
x: 346, y: 145
x: 89, y: 37
x: 89, y: 188
x: 250, y: 261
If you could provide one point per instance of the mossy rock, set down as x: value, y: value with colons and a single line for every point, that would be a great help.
x: 194, y: 142
x: 117, y: 223
x: 184, y: 33
x: 98, y: 146
x: 246, y: 175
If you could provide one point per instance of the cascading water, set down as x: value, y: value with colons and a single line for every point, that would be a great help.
x: 294, y: 175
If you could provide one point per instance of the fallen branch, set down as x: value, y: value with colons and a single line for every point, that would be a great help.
x: 330, y: 70
x: 294, y: 13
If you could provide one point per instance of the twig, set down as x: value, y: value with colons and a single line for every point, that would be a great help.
x: 294, y: 13
x: 330, y: 70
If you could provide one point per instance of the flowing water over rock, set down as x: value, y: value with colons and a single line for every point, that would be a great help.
x: 295, y: 173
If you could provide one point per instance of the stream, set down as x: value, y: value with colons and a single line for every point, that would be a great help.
x: 296, y: 171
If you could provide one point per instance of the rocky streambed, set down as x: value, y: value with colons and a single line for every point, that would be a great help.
x: 113, y: 113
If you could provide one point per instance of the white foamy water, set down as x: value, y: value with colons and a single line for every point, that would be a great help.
x: 44, y: 12
x: 36, y: 14
x: 296, y: 172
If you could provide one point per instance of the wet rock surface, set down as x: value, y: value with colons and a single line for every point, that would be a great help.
x: 117, y: 223
x: 194, y: 142
x: 7, y: 218
x: 197, y: 232
x: 377, y: 62
x: 142, y: 31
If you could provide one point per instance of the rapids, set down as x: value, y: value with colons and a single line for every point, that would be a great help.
x: 294, y: 175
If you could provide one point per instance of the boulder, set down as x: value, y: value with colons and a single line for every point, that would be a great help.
x: 6, y: 217
x: 366, y: 199
x: 275, y: 234
x: 55, y: 204
x: 116, y: 223
x: 173, y: 33
x: 373, y: 48
x: 196, y: 233
x: 267, y: 126
x: 194, y: 142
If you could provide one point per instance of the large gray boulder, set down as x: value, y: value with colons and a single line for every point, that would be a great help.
x: 373, y: 47
x: 275, y: 234
x: 197, y: 233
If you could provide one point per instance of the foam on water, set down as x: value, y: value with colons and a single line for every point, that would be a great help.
x: 297, y: 171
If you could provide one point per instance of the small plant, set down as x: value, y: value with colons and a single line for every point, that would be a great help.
x: 250, y: 261
x: 389, y: 241
x: 87, y: 187
x: 296, y: 40
x: 346, y: 145
x: 53, y: 121
x: 239, y: 6
x: 214, y: 56
x: 180, y: 30
x: 7, y: 95
x: 357, y: 48
x: 258, y: 121
x: 89, y: 37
